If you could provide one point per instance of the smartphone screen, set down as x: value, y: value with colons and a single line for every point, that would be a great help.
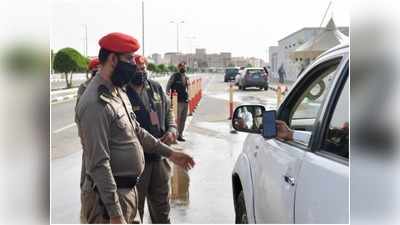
x: 269, y: 125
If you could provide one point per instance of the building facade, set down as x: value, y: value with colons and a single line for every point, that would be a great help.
x: 279, y: 55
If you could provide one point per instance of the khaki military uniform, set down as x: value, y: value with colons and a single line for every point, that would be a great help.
x: 154, y: 184
x: 113, y: 157
x: 82, y: 89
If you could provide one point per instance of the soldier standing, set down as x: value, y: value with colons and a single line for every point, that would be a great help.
x: 94, y: 66
x: 179, y: 82
x: 112, y: 140
x: 154, y: 113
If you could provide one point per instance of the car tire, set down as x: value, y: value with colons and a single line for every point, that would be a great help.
x: 266, y: 88
x: 243, y: 88
x: 225, y: 80
x: 241, y: 213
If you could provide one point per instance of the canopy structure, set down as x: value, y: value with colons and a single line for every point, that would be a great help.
x: 328, y: 38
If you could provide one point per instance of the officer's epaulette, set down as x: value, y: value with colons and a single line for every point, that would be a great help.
x: 104, y: 94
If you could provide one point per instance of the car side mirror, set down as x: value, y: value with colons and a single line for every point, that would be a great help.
x: 248, y: 118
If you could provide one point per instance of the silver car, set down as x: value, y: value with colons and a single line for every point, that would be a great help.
x: 304, y: 179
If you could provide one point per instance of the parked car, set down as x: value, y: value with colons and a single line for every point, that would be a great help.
x: 253, y: 77
x: 306, y: 179
x: 230, y: 73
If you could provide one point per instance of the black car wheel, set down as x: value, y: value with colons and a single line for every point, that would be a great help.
x: 266, y: 88
x: 241, y: 214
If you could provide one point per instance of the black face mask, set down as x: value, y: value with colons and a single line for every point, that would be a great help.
x: 139, y: 78
x: 122, y: 73
x: 182, y: 70
x: 94, y: 73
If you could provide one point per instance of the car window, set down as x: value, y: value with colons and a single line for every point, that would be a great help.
x: 311, y: 100
x: 336, y: 139
x: 251, y: 72
x: 231, y: 71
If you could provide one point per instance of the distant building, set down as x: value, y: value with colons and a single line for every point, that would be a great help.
x: 279, y: 55
x: 156, y: 58
x: 201, y: 60
x: 243, y: 61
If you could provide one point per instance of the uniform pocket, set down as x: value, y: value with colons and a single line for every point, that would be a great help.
x: 121, y: 120
x: 92, y: 210
x: 167, y: 165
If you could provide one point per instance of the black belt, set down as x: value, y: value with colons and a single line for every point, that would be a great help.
x: 126, y: 181
x: 152, y: 157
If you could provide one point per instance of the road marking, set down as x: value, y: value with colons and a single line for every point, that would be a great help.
x: 64, y: 128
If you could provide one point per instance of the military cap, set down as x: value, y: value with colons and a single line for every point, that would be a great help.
x: 93, y: 63
x: 119, y: 43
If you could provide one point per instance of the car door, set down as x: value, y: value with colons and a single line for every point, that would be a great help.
x: 322, y: 192
x: 277, y: 163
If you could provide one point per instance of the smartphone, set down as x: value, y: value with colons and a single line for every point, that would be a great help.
x: 269, y: 125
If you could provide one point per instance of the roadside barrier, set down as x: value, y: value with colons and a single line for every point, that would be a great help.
x: 280, y: 92
x: 174, y: 104
x: 230, y: 100
x: 195, y: 95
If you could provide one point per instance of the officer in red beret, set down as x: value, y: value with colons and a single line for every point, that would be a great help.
x: 154, y: 113
x: 93, y: 67
x: 112, y: 140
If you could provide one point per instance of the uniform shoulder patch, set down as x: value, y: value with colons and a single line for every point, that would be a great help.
x: 104, y: 94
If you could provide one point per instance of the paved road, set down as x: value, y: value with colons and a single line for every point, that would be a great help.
x: 204, y: 194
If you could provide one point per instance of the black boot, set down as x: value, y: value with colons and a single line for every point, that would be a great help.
x: 180, y: 138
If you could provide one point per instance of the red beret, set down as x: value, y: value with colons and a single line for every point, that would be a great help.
x: 119, y: 43
x: 93, y: 63
x: 139, y: 60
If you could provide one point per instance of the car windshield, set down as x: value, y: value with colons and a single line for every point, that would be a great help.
x: 231, y: 71
x: 255, y: 72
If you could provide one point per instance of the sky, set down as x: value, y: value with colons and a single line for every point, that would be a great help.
x: 242, y: 27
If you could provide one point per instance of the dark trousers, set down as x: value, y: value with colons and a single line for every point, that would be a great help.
x: 154, y: 186
x: 182, y: 115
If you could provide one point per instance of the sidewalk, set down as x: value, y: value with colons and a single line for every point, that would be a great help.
x: 207, y: 192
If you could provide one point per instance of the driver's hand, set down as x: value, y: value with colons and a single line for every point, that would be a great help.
x: 284, y: 133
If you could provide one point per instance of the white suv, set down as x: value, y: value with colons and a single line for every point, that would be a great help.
x: 305, y: 180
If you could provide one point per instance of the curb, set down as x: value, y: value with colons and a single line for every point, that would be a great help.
x: 64, y: 98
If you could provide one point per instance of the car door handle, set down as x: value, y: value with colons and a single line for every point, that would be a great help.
x: 290, y: 180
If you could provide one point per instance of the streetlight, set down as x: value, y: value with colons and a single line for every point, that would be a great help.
x: 143, y: 28
x: 85, y: 40
x: 191, y: 39
x: 177, y: 33
x: 190, y: 56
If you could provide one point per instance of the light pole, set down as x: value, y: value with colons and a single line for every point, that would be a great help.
x: 85, y: 40
x: 177, y: 33
x: 143, y: 28
x: 190, y: 56
x: 191, y: 39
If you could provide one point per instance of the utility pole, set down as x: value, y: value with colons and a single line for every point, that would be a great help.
x: 143, y: 28
x: 86, y: 41
x: 177, y: 34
